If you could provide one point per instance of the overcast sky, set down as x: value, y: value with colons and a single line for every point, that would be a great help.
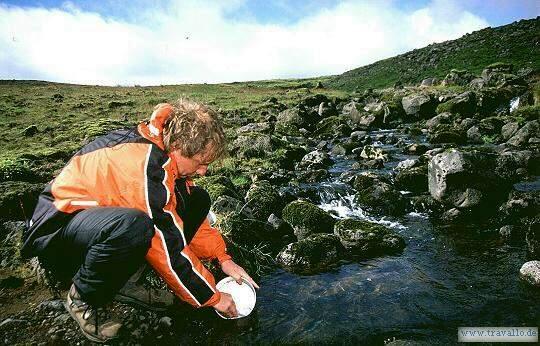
x: 112, y: 42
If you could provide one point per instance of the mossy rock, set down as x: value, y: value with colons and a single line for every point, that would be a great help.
x: 241, y: 229
x: 287, y: 157
x: 217, y: 185
x: 253, y: 144
x: 18, y: 199
x: 332, y: 127
x: 363, y: 238
x: 263, y: 200
x: 318, y: 252
x: 382, y: 198
x: 306, y: 219
x: 414, y: 179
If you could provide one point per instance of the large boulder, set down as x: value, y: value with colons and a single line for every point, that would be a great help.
x: 252, y: 144
x: 522, y: 137
x: 457, y: 77
x: 377, y: 195
x: 290, y: 121
x: 464, y: 104
x: 263, y: 200
x: 332, y: 127
x: 315, y: 253
x: 306, y: 219
x: 532, y: 236
x: 530, y: 272
x: 418, y: 106
x: 364, y: 238
x: 412, y: 179
x: 465, y: 179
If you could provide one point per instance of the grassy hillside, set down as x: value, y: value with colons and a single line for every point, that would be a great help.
x: 517, y: 43
x: 64, y: 115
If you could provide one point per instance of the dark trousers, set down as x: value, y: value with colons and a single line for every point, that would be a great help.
x: 100, y: 248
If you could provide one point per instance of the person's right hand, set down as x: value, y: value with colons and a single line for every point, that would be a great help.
x: 226, y: 305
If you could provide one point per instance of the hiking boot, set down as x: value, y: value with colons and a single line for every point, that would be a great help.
x: 88, y: 319
x: 147, y: 298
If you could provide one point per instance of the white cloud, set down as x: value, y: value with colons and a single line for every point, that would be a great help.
x: 195, y: 41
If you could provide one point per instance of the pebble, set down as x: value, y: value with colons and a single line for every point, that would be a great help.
x: 165, y: 321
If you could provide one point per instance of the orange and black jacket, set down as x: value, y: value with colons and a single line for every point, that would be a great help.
x: 130, y: 168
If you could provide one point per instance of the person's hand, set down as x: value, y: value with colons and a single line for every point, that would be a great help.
x: 236, y: 272
x: 226, y: 305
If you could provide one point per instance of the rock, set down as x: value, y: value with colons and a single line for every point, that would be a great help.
x: 425, y: 204
x: 315, y: 159
x: 240, y: 229
x: 10, y: 242
x: 519, y: 205
x: 281, y: 228
x: 338, y: 150
x: 52, y: 305
x: 165, y: 322
x: 416, y: 149
x: 457, y: 77
x: 227, y: 204
x: 332, y: 127
x: 252, y: 144
x: 506, y: 231
x: 363, y: 238
x: 530, y: 272
x: 532, y: 237
x: 427, y: 82
x: 312, y: 175
x: 418, y: 106
x: 474, y: 135
x: 315, y: 253
x: 412, y: 179
x: 511, y: 163
x: 264, y: 127
x: 290, y: 121
x: 378, y: 196
x: 521, y: 137
x: 263, y: 200
x: 370, y: 152
x: 306, y: 219
x: 463, y: 104
x: 447, y: 136
x: 465, y: 179
x: 30, y: 131
x: 442, y: 118
x: 368, y: 164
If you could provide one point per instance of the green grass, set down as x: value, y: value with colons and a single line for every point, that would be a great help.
x: 517, y: 44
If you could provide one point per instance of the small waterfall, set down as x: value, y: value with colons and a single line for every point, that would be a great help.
x: 514, y: 103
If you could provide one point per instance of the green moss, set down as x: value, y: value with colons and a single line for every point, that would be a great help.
x: 217, y: 185
x: 367, y: 238
x: 263, y: 200
x: 306, y: 218
x: 15, y: 169
x: 527, y: 112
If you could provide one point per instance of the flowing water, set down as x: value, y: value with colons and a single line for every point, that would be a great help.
x: 445, y: 278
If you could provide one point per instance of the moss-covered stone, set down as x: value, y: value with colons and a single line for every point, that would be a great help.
x: 332, y: 127
x: 306, y: 219
x: 364, y: 238
x: 217, y: 185
x: 252, y: 144
x: 413, y: 179
x: 317, y: 252
x: 382, y: 198
x: 263, y: 200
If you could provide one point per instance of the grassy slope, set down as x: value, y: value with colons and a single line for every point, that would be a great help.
x: 76, y: 112
x: 517, y: 43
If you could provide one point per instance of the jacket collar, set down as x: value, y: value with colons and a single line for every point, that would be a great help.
x: 153, y: 128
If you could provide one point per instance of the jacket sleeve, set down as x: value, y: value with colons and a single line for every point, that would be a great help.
x: 208, y: 243
x: 169, y: 254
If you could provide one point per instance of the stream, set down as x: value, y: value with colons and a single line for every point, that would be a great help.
x: 444, y: 279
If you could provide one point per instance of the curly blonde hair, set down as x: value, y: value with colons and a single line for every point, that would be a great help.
x: 194, y: 128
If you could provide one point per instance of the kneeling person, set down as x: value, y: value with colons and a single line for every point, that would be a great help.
x: 125, y: 199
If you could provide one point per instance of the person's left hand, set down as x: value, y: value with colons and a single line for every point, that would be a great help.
x: 236, y: 272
